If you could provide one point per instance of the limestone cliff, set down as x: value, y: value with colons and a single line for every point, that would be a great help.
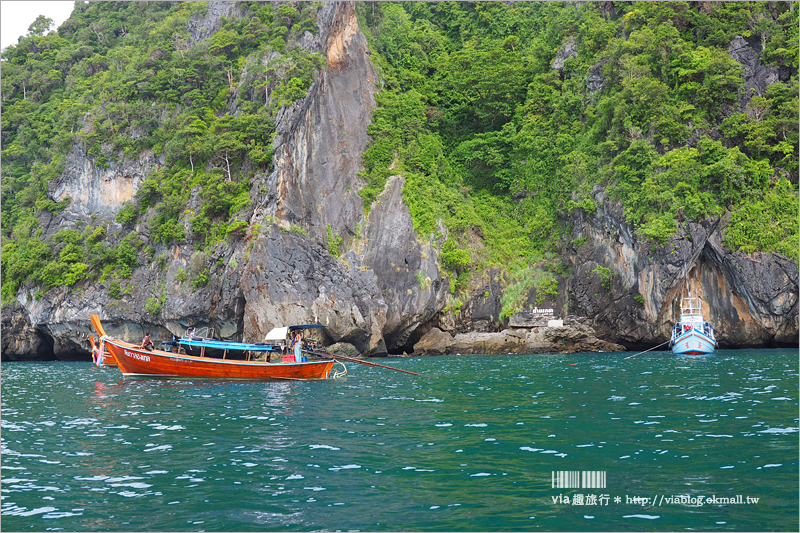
x: 383, y: 290
x: 261, y: 278
x: 751, y: 299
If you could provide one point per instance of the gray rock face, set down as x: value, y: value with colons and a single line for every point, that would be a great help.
x: 568, y: 50
x: 757, y: 75
x: 595, y: 81
x: 289, y: 279
x: 481, y: 312
x: 202, y: 27
x: 345, y: 349
x: 20, y: 340
x: 749, y: 299
x: 405, y: 267
x: 435, y: 342
x: 320, y: 141
x: 99, y: 191
x: 578, y: 338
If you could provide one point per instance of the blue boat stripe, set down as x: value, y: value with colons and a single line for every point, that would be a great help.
x: 226, y: 345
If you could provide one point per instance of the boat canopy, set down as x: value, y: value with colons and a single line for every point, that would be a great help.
x: 305, y: 326
x: 227, y: 345
x: 277, y: 334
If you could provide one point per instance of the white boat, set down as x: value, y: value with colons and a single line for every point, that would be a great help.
x: 692, y: 335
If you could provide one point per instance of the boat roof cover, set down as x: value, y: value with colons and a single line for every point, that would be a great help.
x: 277, y: 334
x: 305, y: 326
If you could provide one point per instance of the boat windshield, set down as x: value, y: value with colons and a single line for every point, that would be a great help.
x: 691, y: 307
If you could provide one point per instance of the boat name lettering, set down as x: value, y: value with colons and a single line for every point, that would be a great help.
x: 139, y: 356
x: 537, y: 311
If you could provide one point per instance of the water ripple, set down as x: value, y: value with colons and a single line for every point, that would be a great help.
x: 460, y: 447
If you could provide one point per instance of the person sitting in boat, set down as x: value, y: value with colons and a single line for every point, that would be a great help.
x: 191, y: 333
x: 147, y: 344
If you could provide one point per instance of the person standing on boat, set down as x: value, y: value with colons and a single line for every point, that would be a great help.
x: 298, y: 348
x: 147, y: 344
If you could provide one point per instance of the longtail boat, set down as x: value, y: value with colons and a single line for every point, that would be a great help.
x: 237, y: 361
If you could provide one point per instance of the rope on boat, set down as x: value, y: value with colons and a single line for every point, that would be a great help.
x: 339, y: 373
x: 653, y: 348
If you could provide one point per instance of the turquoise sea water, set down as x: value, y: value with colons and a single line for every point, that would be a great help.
x: 470, y: 445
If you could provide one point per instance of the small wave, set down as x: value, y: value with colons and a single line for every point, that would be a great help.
x: 780, y: 430
x: 130, y: 494
x: 163, y: 447
x: 38, y: 510
x: 480, y: 474
x: 345, y: 467
x: 645, y: 516
x: 323, y: 447
x: 118, y: 479
x: 132, y: 485
x: 167, y: 428
x: 475, y: 425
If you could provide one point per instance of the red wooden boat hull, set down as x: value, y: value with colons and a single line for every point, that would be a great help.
x: 135, y: 361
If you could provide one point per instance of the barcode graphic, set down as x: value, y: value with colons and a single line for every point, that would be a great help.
x: 577, y: 479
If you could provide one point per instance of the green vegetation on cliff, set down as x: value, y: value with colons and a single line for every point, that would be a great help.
x: 504, y: 117
x: 119, y: 79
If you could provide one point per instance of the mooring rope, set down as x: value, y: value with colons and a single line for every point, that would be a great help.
x: 339, y: 373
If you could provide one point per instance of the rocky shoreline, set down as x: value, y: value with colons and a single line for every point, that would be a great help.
x: 531, y: 336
